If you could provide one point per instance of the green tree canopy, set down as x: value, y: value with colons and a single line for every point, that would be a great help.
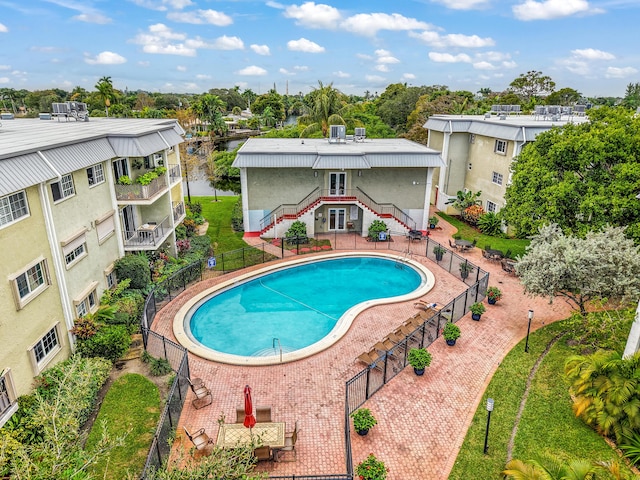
x: 105, y: 92
x: 209, y: 109
x: 564, y: 96
x: 325, y: 106
x: 272, y: 99
x: 532, y: 85
x: 604, y: 265
x: 581, y: 177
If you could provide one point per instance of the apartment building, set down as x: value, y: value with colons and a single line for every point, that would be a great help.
x: 70, y: 205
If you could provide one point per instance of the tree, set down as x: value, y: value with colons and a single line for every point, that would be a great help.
x: 326, y: 106
x: 464, y: 200
x: 272, y: 99
x: 221, y: 174
x: 105, y: 92
x: 603, y: 265
x: 580, y: 176
x: 553, y: 467
x: 209, y: 108
x: 532, y: 85
x: 632, y: 96
x: 564, y: 96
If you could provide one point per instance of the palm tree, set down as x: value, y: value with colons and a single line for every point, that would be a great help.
x: 326, y: 108
x: 209, y: 109
x: 464, y: 200
x: 551, y: 467
x: 105, y: 92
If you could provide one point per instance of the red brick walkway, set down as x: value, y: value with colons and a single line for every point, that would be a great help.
x: 422, y: 421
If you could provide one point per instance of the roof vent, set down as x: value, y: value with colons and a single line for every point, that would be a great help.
x: 337, y: 134
x: 67, y: 110
x: 360, y: 134
x: 7, y: 116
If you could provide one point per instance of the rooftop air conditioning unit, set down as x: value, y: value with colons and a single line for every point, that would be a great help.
x: 360, y: 134
x: 337, y: 133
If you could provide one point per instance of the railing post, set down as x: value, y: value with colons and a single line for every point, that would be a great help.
x: 366, y: 390
x: 164, y: 344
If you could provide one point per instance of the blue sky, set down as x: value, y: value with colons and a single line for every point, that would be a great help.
x: 194, y: 45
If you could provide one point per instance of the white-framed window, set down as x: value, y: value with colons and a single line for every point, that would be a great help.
x: 95, y: 174
x: 29, y: 283
x: 45, y: 348
x: 110, y: 276
x: 496, y: 178
x: 501, y: 147
x: 8, y: 397
x: 87, y: 302
x: 153, y: 160
x: 491, y: 207
x: 74, y: 248
x: 63, y: 189
x: 105, y: 226
x: 13, y: 207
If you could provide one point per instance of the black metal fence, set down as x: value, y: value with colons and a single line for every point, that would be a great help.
x: 359, y: 388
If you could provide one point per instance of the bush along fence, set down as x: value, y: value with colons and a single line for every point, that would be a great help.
x: 359, y: 388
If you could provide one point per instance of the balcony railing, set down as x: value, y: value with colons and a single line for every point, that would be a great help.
x: 178, y: 210
x: 141, y: 192
x: 174, y: 173
x: 149, y: 234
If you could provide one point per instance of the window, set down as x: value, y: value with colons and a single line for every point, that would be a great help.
x: 497, y: 178
x: 13, y: 207
x: 501, y: 147
x: 29, y: 283
x: 75, y: 248
x: 8, y: 399
x: 45, y: 348
x: 95, y: 174
x: 491, y: 207
x: 110, y: 276
x: 63, y: 188
x: 105, y: 226
x: 152, y: 161
x: 87, y: 301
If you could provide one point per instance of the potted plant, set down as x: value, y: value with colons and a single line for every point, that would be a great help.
x: 439, y: 252
x: 465, y: 269
x: 375, y: 229
x: 371, y: 469
x: 493, y: 295
x: 477, y: 309
x: 363, y: 420
x: 451, y: 332
x: 419, y: 359
x: 124, y: 180
x: 433, y: 221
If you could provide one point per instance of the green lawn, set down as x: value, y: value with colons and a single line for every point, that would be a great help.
x: 548, y: 424
x: 131, y: 406
x: 516, y: 245
x: 218, y: 214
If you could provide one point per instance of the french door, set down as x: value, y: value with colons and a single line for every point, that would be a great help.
x: 337, y: 218
x: 337, y: 182
x: 128, y: 221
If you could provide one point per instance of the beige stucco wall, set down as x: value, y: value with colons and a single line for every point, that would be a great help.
x: 24, y: 241
x: 485, y: 161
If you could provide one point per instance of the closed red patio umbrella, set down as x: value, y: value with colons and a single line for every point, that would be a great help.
x: 249, y: 419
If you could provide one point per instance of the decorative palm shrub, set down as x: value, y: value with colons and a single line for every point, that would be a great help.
x: 376, y: 227
x: 490, y: 224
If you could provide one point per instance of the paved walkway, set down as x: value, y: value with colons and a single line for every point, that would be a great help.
x: 422, y: 421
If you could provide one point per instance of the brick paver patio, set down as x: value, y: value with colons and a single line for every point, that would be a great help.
x: 422, y: 421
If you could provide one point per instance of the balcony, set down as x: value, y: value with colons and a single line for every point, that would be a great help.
x: 174, y: 174
x: 137, y: 191
x: 178, y: 212
x: 148, y: 236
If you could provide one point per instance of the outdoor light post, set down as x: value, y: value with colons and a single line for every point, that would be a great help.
x: 486, y: 435
x: 526, y: 344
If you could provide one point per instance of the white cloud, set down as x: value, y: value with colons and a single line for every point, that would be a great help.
x: 190, y: 86
x: 463, y: 4
x: 301, y: 68
x: 92, y: 18
x: 492, y: 56
x: 304, y: 45
x: 253, y: 70
x: 408, y: 76
x: 105, y: 58
x: 452, y: 40
x: 163, y: 40
x: 5, y: 67
x: 575, y: 65
x: 226, y: 43
x: 260, y: 49
x: 374, y: 78
x: 178, y: 4
x: 483, y: 65
x: 144, y: 63
x: 86, y: 13
x: 3, y: 28
x: 449, y: 58
x: 341, y: 74
x: 314, y: 16
x: 615, y: 72
x: 381, y: 68
x: 593, y: 54
x: 181, y: 68
x: 509, y: 64
x: 550, y: 9
x: 4, y: 80
x: 150, y: 4
x: 200, y: 17
x: 201, y: 76
x: 364, y: 56
x: 368, y: 24
x: 388, y: 59
x: 284, y: 71
x: 272, y: 4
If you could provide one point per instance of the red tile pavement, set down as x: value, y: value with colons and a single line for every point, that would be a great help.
x: 422, y: 421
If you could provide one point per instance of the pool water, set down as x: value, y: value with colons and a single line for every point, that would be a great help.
x: 298, y: 305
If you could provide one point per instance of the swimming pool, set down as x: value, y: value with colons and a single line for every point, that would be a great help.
x: 296, y: 309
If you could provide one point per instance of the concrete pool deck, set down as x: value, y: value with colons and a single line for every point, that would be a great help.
x: 422, y: 421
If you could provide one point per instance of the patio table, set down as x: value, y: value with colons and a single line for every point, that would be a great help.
x: 464, y: 244
x: 495, y: 254
x: 233, y: 434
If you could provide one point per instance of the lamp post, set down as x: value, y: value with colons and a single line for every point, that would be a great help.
x: 526, y: 344
x: 486, y: 435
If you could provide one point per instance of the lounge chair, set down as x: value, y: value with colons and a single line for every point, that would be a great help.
x: 202, y: 393
x: 384, y: 345
x: 371, y: 357
x: 263, y: 414
x: 199, y: 438
x: 290, y: 439
x: 263, y: 453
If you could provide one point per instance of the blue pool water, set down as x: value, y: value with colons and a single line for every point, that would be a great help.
x: 298, y: 305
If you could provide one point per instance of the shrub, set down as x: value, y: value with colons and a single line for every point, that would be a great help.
x: 376, y: 227
x: 135, y: 267
x: 490, y: 224
x: 190, y: 226
x: 201, y: 245
x: 237, y: 220
x: 372, y: 469
x: 297, y: 232
x: 111, y: 342
x: 183, y: 246
x: 84, y: 327
x: 472, y: 214
x: 195, y: 207
x: 159, y: 367
x: 419, y: 358
x: 477, y: 308
x: 363, y: 419
x: 451, y: 331
x: 494, y: 293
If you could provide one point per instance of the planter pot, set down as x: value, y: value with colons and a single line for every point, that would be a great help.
x: 418, y: 371
x: 362, y: 432
x: 491, y: 301
x: 464, y: 275
x: 451, y: 343
x: 475, y: 316
x: 432, y: 226
x: 439, y: 256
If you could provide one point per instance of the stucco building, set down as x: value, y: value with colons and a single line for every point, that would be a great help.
x: 66, y: 215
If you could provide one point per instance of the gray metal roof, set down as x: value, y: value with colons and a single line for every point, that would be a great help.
x: 318, y: 153
x: 70, y: 146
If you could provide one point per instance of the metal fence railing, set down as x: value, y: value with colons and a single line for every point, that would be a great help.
x: 357, y: 389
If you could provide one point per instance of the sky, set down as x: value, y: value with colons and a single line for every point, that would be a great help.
x: 191, y: 46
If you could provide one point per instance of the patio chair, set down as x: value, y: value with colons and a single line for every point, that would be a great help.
x: 290, y: 439
x: 263, y: 414
x: 371, y: 358
x: 453, y: 245
x: 199, y: 438
x: 239, y: 415
x: 202, y: 393
x: 486, y: 254
x: 263, y: 453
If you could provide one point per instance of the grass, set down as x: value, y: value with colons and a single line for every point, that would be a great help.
x: 548, y: 424
x: 516, y: 245
x: 132, y: 407
x: 218, y: 214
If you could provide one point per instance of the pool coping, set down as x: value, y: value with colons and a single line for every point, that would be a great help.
x: 336, y: 333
